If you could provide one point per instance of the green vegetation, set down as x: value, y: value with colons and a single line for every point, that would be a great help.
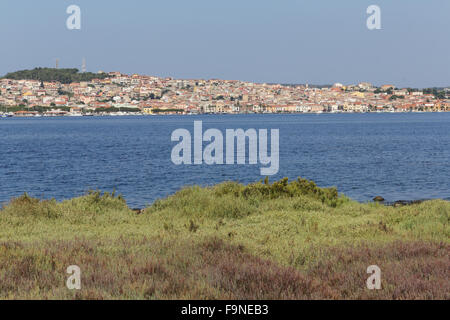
x: 157, y: 110
x: 438, y: 93
x: 114, y: 109
x: 65, y: 93
x: 395, y: 97
x: 50, y: 74
x: 43, y: 109
x: 151, y: 96
x: 40, y: 109
x: 262, y: 241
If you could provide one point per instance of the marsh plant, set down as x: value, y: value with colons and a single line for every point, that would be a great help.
x: 280, y: 240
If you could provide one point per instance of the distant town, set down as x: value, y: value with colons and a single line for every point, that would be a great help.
x: 115, y: 93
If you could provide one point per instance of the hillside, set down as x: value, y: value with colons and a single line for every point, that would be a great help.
x: 50, y: 74
x: 261, y: 241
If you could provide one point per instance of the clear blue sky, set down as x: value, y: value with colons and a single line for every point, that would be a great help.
x: 283, y: 41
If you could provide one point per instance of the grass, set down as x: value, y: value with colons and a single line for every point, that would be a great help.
x: 285, y: 240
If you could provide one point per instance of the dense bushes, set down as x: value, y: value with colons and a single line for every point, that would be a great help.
x: 298, y: 188
x: 234, y: 200
x: 50, y: 74
x: 94, y: 202
x: 32, y: 207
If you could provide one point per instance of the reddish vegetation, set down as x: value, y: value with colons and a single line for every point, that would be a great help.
x: 150, y: 269
x: 409, y: 271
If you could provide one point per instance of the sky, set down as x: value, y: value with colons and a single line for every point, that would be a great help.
x: 272, y: 41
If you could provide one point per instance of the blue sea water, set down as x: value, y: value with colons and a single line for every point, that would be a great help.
x: 402, y: 156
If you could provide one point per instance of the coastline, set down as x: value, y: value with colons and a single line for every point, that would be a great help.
x: 140, y: 209
x: 113, y: 114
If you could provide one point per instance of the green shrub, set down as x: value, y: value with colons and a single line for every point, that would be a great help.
x: 32, y: 207
x: 234, y: 200
x: 206, y: 202
x: 284, y: 189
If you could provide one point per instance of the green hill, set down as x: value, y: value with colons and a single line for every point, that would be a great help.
x: 51, y: 74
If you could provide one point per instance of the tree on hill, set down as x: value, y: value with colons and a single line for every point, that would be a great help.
x: 65, y: 76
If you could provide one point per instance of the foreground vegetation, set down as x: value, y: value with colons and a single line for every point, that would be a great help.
x: 261, y: 241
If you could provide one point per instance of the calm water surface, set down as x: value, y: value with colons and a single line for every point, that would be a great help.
x: 398, y: 156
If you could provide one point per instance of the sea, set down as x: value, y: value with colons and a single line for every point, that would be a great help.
x: 399, y: 156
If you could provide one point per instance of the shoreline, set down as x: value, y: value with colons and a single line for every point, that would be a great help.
x: 139, y: 209
x: 122, y: 114
x: 204, y: 114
